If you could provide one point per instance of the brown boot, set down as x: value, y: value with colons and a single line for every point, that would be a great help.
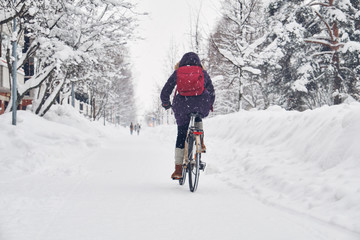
x: 178, y: 172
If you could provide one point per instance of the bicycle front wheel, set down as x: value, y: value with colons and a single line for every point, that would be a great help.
x: 184, y: 171
x: 193, y: 167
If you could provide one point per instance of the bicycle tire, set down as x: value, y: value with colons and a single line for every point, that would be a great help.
x: 193, y: 167
x: 183, y: 179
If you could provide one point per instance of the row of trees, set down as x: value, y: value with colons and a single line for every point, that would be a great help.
x: 298, y: 54
x: 81, y: 42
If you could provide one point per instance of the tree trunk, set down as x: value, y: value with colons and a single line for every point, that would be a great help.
x: 52, y: 98
x: 93, y: 108
x: 337, y: 80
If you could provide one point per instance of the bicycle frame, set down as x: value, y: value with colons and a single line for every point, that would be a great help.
x: 196, y: 133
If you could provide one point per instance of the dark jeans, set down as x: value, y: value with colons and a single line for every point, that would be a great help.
x: 181, y: 134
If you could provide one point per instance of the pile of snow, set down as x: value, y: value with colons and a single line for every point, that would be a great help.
x: 52, y: 145
x: 303, y: 161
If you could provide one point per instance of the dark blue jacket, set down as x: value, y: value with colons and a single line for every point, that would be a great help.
x: 182, y: 105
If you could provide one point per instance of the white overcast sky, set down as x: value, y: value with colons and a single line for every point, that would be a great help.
x: 167, y: 20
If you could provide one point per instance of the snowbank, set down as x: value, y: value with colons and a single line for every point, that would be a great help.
x: 303, y: 161
x: 52, y: 145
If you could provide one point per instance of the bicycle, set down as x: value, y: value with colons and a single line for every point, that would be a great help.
x: 192, y: 157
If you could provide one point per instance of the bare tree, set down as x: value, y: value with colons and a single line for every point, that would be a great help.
x: 332, y: 42
x: 234, y: 41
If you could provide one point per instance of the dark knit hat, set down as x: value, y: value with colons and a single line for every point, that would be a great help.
x: 191, y: 59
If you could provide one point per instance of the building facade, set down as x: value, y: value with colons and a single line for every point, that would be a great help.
x: 81, y: 102
x: 5, y: 79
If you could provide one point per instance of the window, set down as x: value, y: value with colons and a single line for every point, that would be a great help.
x: 5, y: 41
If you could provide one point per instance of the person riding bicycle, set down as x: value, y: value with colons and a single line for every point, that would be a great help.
x: 199, y: 99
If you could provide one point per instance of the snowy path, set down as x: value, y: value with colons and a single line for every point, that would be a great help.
x: 123, y: 191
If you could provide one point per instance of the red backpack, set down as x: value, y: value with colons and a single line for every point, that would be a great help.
x: 190, y: 80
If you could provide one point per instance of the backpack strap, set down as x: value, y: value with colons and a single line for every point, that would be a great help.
x: 176, y: 91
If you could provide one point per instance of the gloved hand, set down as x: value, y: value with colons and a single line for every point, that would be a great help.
x: 166, y: 105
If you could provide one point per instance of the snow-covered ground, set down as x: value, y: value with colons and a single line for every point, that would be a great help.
x: 271, y: 175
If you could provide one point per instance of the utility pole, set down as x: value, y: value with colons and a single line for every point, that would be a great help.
x: 72, y: 94
x: 14, y: 70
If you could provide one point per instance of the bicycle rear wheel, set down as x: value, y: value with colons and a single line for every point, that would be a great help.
x: 193, y: 167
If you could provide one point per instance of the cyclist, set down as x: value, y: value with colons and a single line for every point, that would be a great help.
x: 200, y: 101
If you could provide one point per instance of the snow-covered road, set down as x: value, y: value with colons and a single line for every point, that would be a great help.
x: 270, y: 175
x: 123, y: 191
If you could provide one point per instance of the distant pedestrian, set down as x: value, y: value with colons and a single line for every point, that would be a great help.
x: 131, y: 128
x: 138, y: 129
